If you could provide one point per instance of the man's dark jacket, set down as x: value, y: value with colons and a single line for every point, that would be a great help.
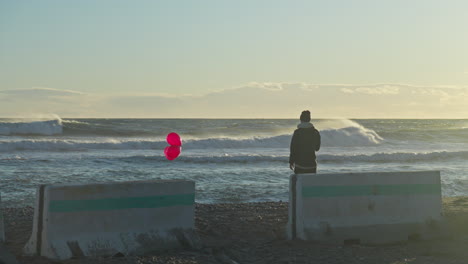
x: 304, y: 143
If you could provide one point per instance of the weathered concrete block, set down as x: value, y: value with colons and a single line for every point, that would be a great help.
x: 368, y: 208
x: 6, y: 257
x: 130, y: 218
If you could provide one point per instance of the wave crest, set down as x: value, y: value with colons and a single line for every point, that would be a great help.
x: 41, y: 127
x: 350, y: 136
x: 329, y: 138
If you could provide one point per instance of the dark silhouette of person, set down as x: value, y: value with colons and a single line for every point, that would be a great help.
x: 304, y: 143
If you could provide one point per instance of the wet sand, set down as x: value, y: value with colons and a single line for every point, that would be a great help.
x: 255, y: 233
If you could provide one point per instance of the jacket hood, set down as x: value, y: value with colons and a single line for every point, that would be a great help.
x: 305, y: 125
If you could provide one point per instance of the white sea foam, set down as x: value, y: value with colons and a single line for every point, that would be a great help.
x: 74, y: 122
x: 77, y: 145
x: 398, y: 157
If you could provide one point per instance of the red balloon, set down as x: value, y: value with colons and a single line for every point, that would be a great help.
x: 172, y: 152
x: 174, y: 139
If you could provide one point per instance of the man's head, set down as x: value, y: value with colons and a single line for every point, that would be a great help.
x: 305, y: 116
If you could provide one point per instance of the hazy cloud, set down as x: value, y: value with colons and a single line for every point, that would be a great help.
x: 41, y: 100
x: 280, y: 86
x: 40, y: 91
x: 256, y: 99
x: 379, y: 90
x: 376, y: 89
x: 267, y: 86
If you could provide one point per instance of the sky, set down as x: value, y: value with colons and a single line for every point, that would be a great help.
x: 234, y: 59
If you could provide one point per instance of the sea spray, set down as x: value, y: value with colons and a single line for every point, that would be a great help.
x: 344, y: 132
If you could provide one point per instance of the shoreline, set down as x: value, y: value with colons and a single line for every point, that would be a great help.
x: 255, y: 233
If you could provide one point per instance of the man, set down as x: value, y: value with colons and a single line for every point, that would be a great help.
x: 305, y: 141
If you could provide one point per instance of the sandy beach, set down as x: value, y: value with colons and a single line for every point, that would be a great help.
x: 255, y: 233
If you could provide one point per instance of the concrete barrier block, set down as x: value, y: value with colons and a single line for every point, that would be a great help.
x: 131, y: 218
x: 6, y: 257
x: 2, y: 226
x: 368, y: 208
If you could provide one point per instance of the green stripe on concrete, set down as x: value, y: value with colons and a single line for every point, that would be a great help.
x: 63, y: 206
x: 369, y: 190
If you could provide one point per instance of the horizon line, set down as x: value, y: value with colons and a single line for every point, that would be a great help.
x: 227, y: 118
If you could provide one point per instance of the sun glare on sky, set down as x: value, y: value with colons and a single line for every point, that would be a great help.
x: 223, y: 59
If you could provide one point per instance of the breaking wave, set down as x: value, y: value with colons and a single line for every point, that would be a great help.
x: 47, y: 127
x: 347, y: 137
x: 82, y: 135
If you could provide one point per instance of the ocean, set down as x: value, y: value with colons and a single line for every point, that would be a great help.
x: 231, y: 160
